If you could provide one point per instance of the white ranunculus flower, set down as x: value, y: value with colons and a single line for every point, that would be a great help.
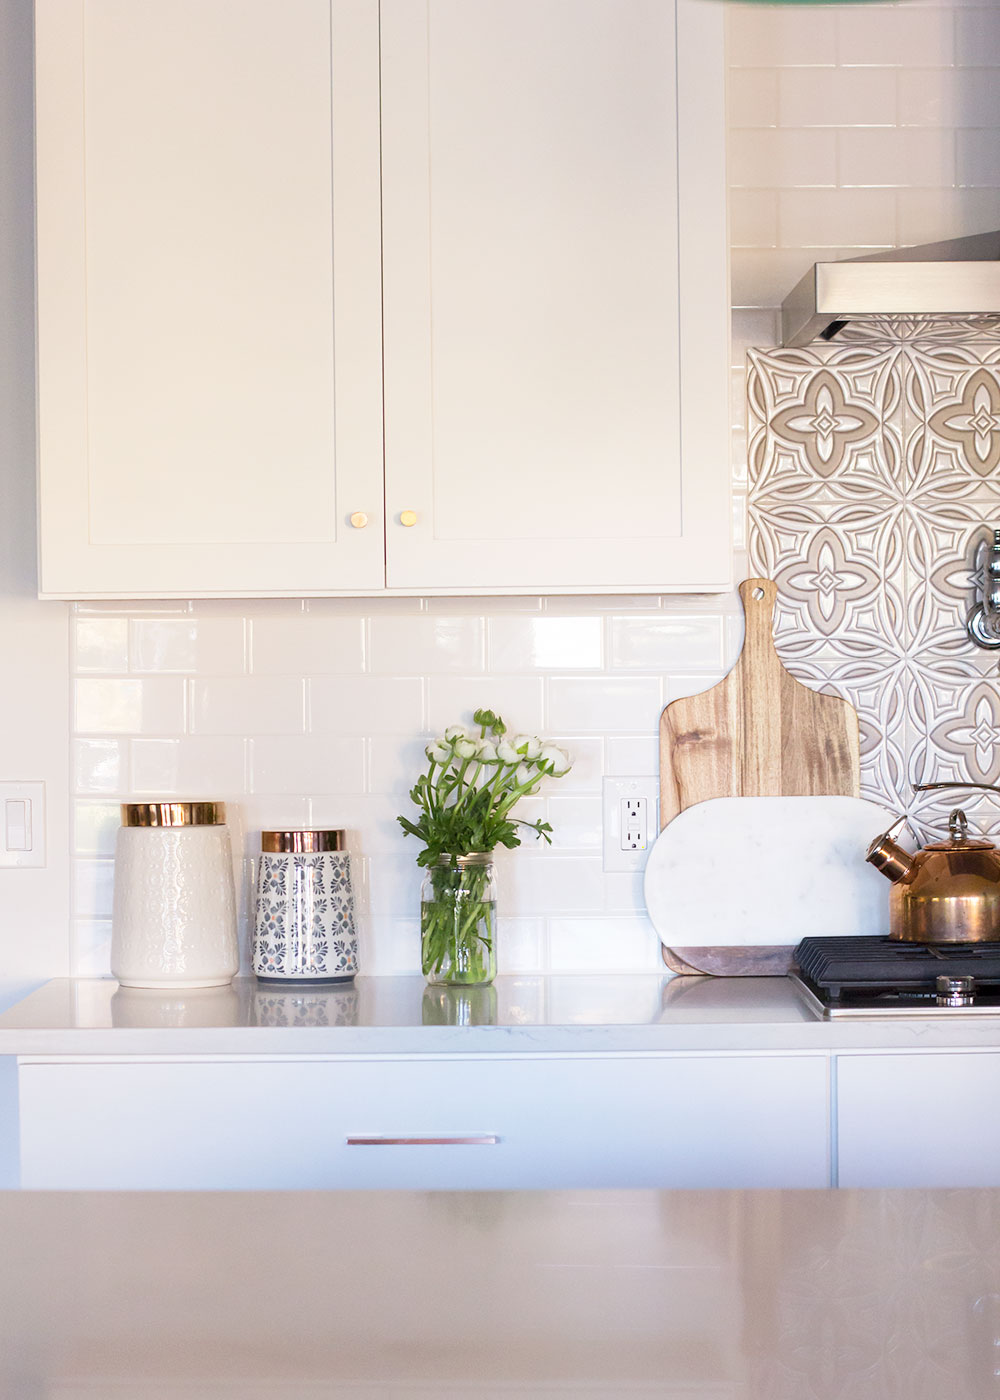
x: 527, y: 745
x: 456, y: 731
x: 466, y: 748
x: 527, y: 773
x: 438, y: 752
x: 487, y: 752
x: 507, y: 753
x: 560, y: 762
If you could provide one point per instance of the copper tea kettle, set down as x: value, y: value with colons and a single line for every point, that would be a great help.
x: 948, y: 892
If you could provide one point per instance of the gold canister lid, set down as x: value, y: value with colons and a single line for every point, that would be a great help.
x: 304, y: 842
x: 173, y: 813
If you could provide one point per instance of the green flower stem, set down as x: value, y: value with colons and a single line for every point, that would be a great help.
x: 457, y: 926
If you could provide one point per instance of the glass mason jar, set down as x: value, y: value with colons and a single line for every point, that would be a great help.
x: 458, y: 917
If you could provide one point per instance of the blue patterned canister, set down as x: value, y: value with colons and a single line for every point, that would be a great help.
x: 304, y: 913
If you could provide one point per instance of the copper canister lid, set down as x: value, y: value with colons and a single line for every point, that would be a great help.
x: 307, y: 842
x: 173, y: 813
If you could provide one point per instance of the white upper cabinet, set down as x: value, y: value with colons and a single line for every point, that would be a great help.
x: 221, y: 241
x: 209, y: 344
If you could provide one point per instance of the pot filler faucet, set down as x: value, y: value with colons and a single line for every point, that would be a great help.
x: 983, y: 625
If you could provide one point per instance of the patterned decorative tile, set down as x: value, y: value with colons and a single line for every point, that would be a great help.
x: 874, y: 489
x: 953, y: 393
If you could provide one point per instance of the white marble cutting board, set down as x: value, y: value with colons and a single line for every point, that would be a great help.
x: 736, y: 871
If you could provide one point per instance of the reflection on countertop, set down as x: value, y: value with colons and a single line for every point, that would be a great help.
x: 761, y: 1295
x: 629, y: 1013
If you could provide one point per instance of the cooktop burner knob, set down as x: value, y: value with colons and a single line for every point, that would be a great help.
x: 955, y: 991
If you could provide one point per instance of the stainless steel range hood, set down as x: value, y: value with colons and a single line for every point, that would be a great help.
x: 960, y: 277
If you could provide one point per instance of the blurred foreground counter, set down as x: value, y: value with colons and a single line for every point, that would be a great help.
x: 804, y: 1295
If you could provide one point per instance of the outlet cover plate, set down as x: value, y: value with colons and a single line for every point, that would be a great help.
x: 615, y: 793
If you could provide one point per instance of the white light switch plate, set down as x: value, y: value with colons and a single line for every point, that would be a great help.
x: 627, y: 841
x: 22, y: 825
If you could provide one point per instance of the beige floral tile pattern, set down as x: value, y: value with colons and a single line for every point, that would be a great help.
x: 874, y: 489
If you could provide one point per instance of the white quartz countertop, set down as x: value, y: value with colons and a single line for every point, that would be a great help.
x: 401, y: 1015
x: 761, y: 1295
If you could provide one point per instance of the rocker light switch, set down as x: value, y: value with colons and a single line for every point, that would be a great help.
x: 22, y: 829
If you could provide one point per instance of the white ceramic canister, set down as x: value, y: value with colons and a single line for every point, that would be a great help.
x: 304, y: 912
x: 174, y: 917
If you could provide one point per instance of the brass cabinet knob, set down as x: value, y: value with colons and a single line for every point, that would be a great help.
x: 359, y: 520
x: 408, y: 517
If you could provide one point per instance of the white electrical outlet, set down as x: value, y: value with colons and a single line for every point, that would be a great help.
x: 630, y: 821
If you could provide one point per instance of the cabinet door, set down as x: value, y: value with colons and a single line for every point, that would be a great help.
x: 209, y: 347
x: 486, y: 1124
x: 556, y: 295
x: 918, y: 1119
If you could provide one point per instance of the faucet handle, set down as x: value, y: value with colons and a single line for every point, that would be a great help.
x: 983, y: 624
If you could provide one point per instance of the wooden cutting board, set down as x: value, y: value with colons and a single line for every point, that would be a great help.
x: 758, y: 733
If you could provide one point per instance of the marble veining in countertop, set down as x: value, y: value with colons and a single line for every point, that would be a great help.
x: 637, y: 1013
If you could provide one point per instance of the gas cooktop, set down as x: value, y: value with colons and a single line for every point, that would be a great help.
x: 856, y: 977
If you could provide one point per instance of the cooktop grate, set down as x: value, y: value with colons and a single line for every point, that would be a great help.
x: 832, y: 964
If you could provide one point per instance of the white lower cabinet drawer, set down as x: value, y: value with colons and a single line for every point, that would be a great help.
x: 924, y: 1118
x: 448, y: 1123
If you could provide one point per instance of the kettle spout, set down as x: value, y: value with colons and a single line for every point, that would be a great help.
x: 889, y: 858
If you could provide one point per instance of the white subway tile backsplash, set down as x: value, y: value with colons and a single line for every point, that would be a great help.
x: 832, y: 218
x: 316, y: 644
x: 753, y: 218
x: 394, y: 763
x: 100, y: 765
x: 95, y: 827
x: 837, y: 97
x: 210, y: 766
x: 247, y: 705
x: 154, y: 705
x: 577, y: 822
x: 163, y: 644
x: 306, y: 764
x: 546, y: 643
x: 604, y: 945
x: 752, y: 97
x: 90, y: 945
x: 586, y: 753
x: 362, y: 705
x: 895, y: 35
x: 889, y: 156
x: 606, y: 703
x: 371, y: 819
x: 100, y: 644
x: 269, y: 812
x: 416, y: 646
x: 634, y: 755
x: 93, y: 887
x: 517, y: 699
x: 623, y: 893
x: 772, y: 36
x: 521, y: 946
x: 551, y: 883
x: 782, y: 157
x: 666, y: 643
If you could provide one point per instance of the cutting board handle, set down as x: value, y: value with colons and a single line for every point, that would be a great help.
x: 759, y: 596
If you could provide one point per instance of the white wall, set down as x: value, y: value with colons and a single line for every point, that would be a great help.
x: 852, y: 127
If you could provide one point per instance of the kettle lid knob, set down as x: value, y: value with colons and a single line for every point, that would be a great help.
x: 958, y: 826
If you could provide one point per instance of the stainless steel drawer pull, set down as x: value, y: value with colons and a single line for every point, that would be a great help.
x: 474, y: 1140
